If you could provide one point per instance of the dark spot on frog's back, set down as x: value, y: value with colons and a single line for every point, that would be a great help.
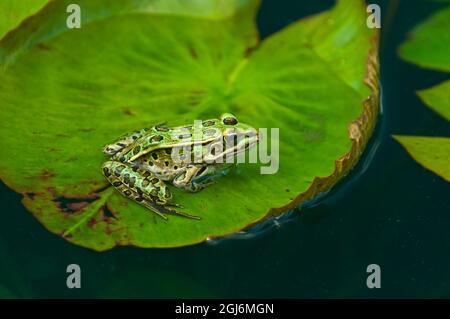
x: 210, y: 132
x: 161, y: 128
x: 208, y: 123
x: 136, y: 150
x: 155, y: 156
x: 155, y: 138
x: 184, y: 136
x: 132, y: 181
x: 127, y: 192
x: 106, y: 171
x: 146, y: 174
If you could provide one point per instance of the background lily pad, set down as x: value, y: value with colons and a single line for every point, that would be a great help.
x: 437, y: 98
x: 66, y: 93
x: 427, y: 44
x: 431, y: 152
x: 428, y: 47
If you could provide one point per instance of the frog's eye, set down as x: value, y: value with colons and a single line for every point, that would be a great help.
x: 230, y: 120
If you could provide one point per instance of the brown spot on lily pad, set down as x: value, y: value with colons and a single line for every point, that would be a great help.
x: 128, y: 111
x: 193, y: 52
x: 91, y: 223
x: 30, y: 195
x: 72, y: 205
x: 46, y: 174
x: 77, y: 206
x: 43, y: 47
x: 107, y: 213
x: 66, y: 235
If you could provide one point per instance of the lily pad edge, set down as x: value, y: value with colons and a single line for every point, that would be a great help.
x: 360, y: 131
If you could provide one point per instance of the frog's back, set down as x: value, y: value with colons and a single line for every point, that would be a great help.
x: 163, y: 137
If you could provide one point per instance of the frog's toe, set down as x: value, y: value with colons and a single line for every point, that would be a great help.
x: 174, y: 205
x: 168, y: 209
x: 154, y: 208
x: 180, y: 213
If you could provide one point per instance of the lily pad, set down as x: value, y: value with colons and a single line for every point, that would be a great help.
x: 431, y: 152
x: 438, y: 99
x: 428, y: 47
x: 427, y: 44
x: 66, y: 93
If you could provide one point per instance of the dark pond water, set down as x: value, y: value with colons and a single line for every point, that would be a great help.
x: 390, y: 211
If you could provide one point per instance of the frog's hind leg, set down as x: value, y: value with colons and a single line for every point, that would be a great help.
x: 115, y: 172
x: 141, y: 186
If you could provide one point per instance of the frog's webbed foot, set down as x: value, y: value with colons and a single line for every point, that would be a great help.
x: 142, y: 187
x: 168, y: 209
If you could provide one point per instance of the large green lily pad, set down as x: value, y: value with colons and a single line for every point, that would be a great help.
x: 428, y: 47
x: 65, y: 93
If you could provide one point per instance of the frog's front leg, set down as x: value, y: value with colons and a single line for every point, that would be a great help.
x: 143, y: 187
x: 195, y: 178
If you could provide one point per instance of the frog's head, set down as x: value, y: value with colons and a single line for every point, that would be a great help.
x: 237, y: 136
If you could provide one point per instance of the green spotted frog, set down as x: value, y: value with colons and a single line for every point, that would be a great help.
x: 189, y: 157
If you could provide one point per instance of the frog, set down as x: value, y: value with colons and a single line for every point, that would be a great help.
x: 145, y: 162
